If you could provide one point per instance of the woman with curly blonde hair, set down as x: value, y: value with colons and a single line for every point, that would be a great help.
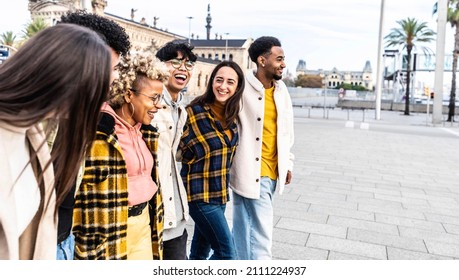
x: 117, y: 211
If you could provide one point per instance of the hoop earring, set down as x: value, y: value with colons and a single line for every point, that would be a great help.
x: 133, y: 110
x: 132, y: 114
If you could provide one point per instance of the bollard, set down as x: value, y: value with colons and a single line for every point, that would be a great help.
x: 363, y: 117
x: 348, y: 114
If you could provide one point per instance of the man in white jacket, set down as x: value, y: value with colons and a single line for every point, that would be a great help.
x: 169, y: 121
x: 263, y: 161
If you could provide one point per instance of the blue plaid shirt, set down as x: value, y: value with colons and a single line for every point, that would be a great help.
x: 207, y: 153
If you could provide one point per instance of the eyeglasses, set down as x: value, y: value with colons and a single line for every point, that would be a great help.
x: 154, y: 99
x: 176, y: 63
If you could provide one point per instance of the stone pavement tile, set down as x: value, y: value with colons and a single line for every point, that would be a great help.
x: 301, y: 215
x: 341, y: 256
x: 441, y: 218
x: 285, y: 251
x: 394, y: 191
x: 361, y: 224
x: 443, y: 249
x: 406, y: 191
x: 446, y: 205
x: 297, y: 187
x: 344, y: 191
x: 391, y: 211
x: 276, y: 219
x: 404, y: 200
x: 453, y: 229
x: 376, y: 202
x: 401, y: 254
x: 337, y: 185
x: 299, y: 206
x: 327, y: 202
x: 347, y: 246
x: 430, y: 209
x: 290, y: 236
x: 418, y: 184
x: 428, y: 235
x: 309, y: 227
x: 436, y: 191
x: 320, y: 194
x: 386, y: 239
x: 342, y: 212
x: 408, y: 222
x: 288, y: 196
x: 429, y: 198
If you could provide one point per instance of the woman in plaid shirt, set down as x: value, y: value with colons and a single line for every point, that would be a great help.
x: 207, y: 148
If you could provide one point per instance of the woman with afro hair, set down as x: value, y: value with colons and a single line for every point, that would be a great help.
x: 117, y: 212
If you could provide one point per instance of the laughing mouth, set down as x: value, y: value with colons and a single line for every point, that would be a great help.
x: 181, y: 77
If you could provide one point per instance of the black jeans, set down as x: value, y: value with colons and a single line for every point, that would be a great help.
x: 175, y: 249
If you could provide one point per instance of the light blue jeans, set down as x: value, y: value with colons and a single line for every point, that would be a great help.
x: 66, y: 249
x: 253, y: 223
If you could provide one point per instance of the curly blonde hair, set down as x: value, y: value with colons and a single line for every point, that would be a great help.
x: 133, y: 69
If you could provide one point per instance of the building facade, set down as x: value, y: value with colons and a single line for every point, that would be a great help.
x: 146, y: 37
x: 333, y: 78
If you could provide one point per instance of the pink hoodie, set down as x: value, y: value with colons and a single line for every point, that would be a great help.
x: 139, y: 161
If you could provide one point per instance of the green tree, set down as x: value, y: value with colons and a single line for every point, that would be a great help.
x: 453, y: 18
x: 33, y: 28
x: 8, y: 38
x: 409, y: 33
x: 351, y: 87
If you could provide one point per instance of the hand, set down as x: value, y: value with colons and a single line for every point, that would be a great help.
x: 289, y: 177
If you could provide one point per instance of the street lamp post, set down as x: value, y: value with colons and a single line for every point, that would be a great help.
x: 437, y: 107
x: 189, y: 29
x: 226, y: 46
x: 379, y: 78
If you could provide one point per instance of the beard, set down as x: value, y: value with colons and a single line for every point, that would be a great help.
x: 277, y: 77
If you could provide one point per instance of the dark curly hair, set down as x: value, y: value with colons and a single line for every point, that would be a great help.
x: 170, y: 50
x: 113, y: 34
x: 262, y: 46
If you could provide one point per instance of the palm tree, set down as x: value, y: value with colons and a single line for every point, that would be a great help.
x: 408, y: 35
x: 33, y: 28
x: 8, y: 38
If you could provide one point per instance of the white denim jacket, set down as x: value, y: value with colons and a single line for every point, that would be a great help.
x: 168, y: 144
x: 246, y: 167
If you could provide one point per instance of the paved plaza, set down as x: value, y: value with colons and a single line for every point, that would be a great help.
x: 386, y: 189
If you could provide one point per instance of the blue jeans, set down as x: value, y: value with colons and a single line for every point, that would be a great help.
x: 253, y: 223
x: 211, y: 231
x: 66, y: 249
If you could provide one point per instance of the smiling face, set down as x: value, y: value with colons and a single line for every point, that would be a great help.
x: 224, y: 84
x: 180, y: 75
x: 273, y: 64
x: 146, y: 101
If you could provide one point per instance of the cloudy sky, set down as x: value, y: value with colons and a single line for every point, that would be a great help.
x: 324, y: 33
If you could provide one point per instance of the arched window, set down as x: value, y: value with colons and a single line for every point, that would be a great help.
x: 231, y: 57
x: 209, y: 56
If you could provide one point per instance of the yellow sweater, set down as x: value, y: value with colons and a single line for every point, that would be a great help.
x: 269, y: 141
